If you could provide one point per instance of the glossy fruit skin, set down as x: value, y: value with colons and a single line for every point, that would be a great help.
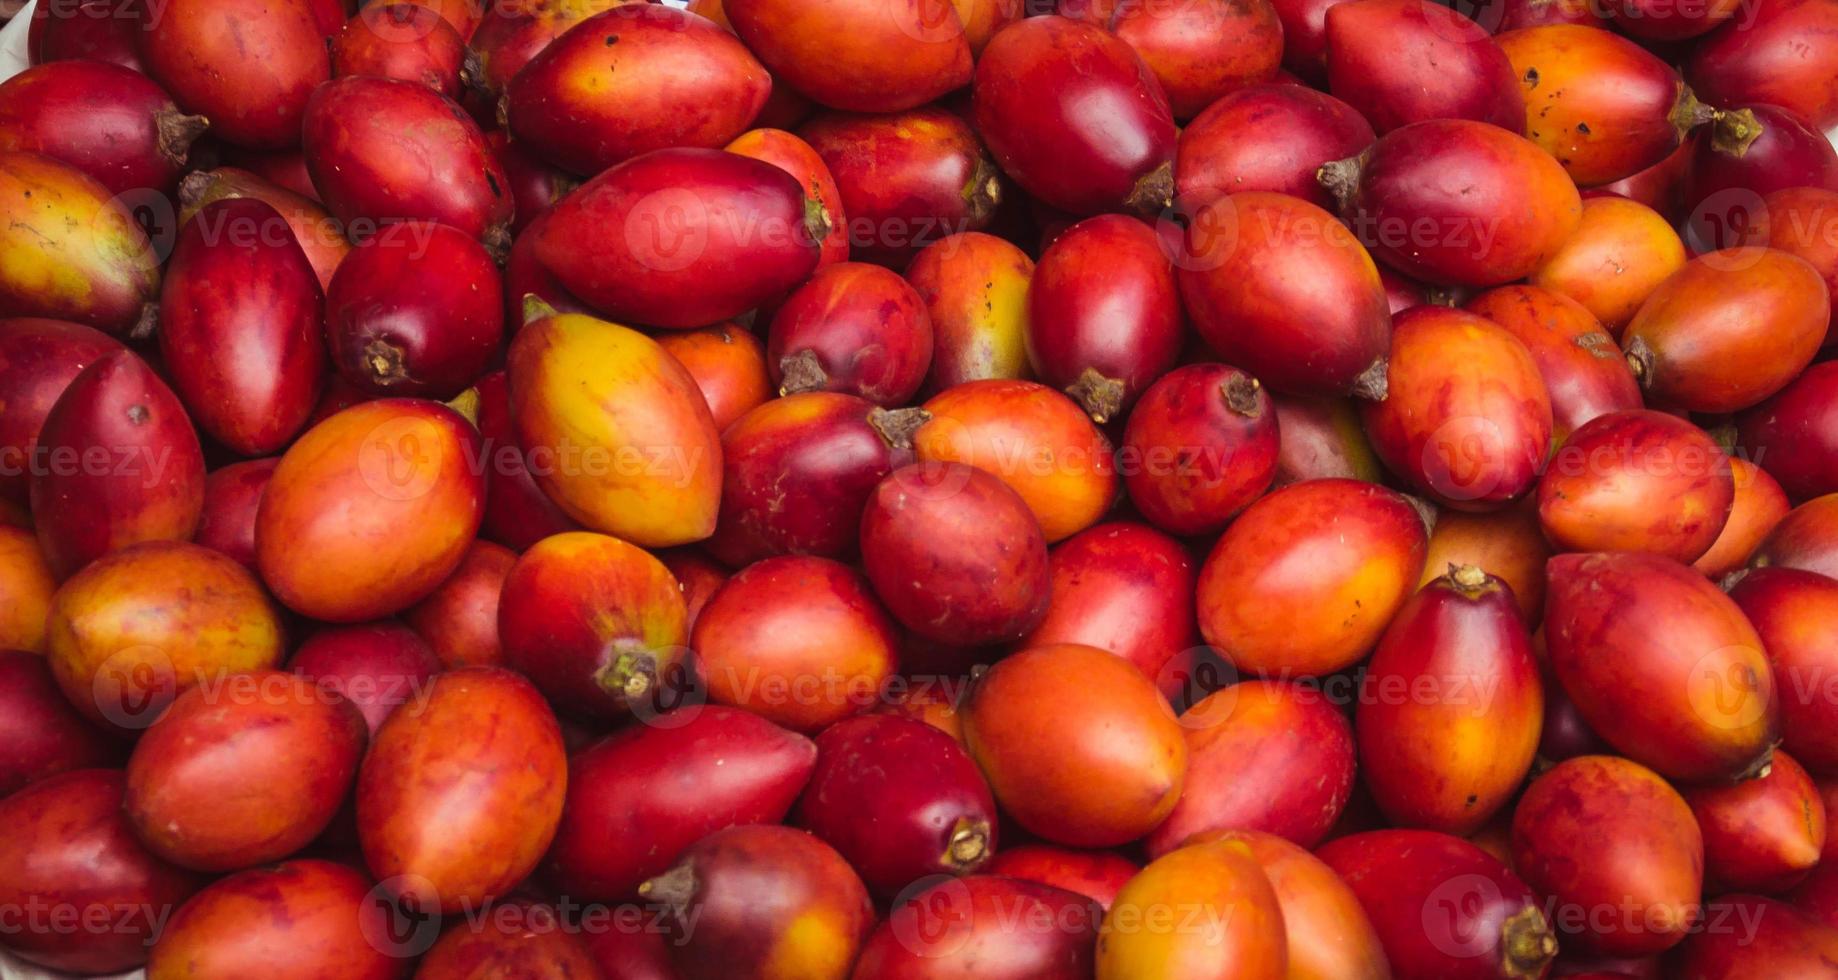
x: 376, y: 666
x: 597, y: 624
x: 692, y: 772
x: 1278, y: 287
x: 110, y: 122
x: 1691, y: 696
x: 1583, y: 370
x: 1746, y: 153
x: 71, y: 253
x: 240, y: 332
x: 1637, y: 481
x: 1621, y: 251
x: 190, y: 45
x: 1328, y: 933
x: 1035, y: 439
x: 416, y: 311
x: 800, y: 159
x: 955, y: 554
x: 1078, y: 745
x: 1098, y: 875
x: 585, y: 105
x: 1600, y: 829
x: 405, y: 41
x: 41, y: 733
x: 481, y: 743
x: 1500, y: 207
x: 772, y: 903
x: 301, y: 919
x: 150, y: 486
x: 1366, y: 546
x: 1698, y: 341
x: 70, y: 846
x: 381, y: 150
x: 1200, y: 446
x: 1319, y: 438
x: 245, y: 772
x: 1791, y: 434
x: 1266, y: 756
x: 662, y: 239
x: 856, y: 55
x: 1793, y: 612
x: 27, y: 582
x: 852, y: 328
x: 38, y: 360
x: 728, y: 364
x: 1034, y: 87
x: 1247, y: 941
x: 1468, y: 418
x: 975, y: 289
x: 315, y: 230
x: 1441, y: 906
x: 1759, y: 505
x: 1506, y: 544
x: 519, y: 938
x: 583, y: 389
x: 1806, y: 538
x: 1449, y: 761
x: 1104, y: 314
x: 1801, y: 221
x: 905, y: 180
x: 797, y: 639
x: 1200, y: 52
x: 460, y: 619
x: 984, y: 925
x: 508, y: 38
x: 353, y: 527
x: 797, y: 471
x: 1763, y: 834
x: 1267, y: 137
x: 1405, y: 61
x: 1782, y: 942
x: 517, y: 511
x: 1762, y: 58
x: 1122, y: 587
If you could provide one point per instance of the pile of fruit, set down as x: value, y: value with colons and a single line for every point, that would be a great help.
x: 803, y: 489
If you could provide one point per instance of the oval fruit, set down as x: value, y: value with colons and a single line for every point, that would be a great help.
x: 1122, y: 587
x: 376, y: 666
x: 1583, y: 369
x: 110, y: 122
x: 1405, y: 61
x: 193, y: 53
x: 310, y: 914
x: 1268, y: 137
x: 1637, y: 481
x: 1000, y: 928
x: 975, y: 288
x: 852, y: 328
x: 1795, y: 613
x: 1235, y: 928
x: 1200, y: 446
x: 728, y: 365
x: 1762, y: 834
x: 1620, y: 252
x: 38, y: 360
x: 41, y: 735
x: 460, y: 619
x: 74, y: 253
x: 860, y: 55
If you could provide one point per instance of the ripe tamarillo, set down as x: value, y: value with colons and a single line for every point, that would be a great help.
x: 1621, y: 251
x: 248, y: 67
x: 1583, y: 370
x: 1763, y: 58
x: 70, y: 252
x: 317, y: 915
x: 1793, y: 612
x: 314, y: 229
x: 1793, y: 433
x: 800, y: 159
x: 1405, y: 61
x: 38, y: 360
x: 44, y: 734
x: 508, y: 37
x: 1762, y: 834
x: 853, y: 328
x: 858, y: 55
x: 1122, y: 587
x: 1268, y: 137
x: 1329, y: 935
x: 1247, y: 942
x: 114, y: 124
x: 1759, y: 505
x: 1637, y: 481
x: 1200, y: 446
x: 728, y: 364
x: 402, y: 40
x: 986, y: 936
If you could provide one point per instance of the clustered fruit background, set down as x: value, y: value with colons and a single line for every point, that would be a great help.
x: 916, y: 489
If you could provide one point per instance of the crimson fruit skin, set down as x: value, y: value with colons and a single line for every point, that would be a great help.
x: 381, y: 150
x: 1495, y: 205
x: 900, y: 801
x: 1204, y: 442
x: 1265, y: 755
x: 1802, y: 221
x: 585, y: 103
x: 1422, y: 889
x: 762, y: 891
x: 1104, y: 314
x: 1405, y: 61
x: 1581, y: 364
x: 1467, y: 418
x: 1661, y: 22
x: 1200, y: 52
x: 405, y: 41
x: 694, y: 771
x: 85, y: 257
x: 597, y: 624
x: 1690, y: 694
x: 1763, y: 58
x: 95, y: 30
x: 796, y: 156
x: 978, y: 926
x: 852, y: 328
x: 1266, y: 137
x: 955, y: 554
x: 682, y: 237
x: 1795, y: 612
x: 110, y: 122
x: 1601, y: 832
x: 1763, y: 834
x: 41, y: 735
x: 521, y: 938
x: 240, y: 333
x: 375, y: 666
x: 1278, y: 287
x: 117, y: 405
x: 314, y: 229
x: 38, y: 360
x: 460, y: 619
x: 1783, y: 942
x: 1744, y: 154
x: 281, y: 45
x: 1807, y: 538
x: 1637, y: 481
x: 797, y: 471
x: 1124, y: 587
x: 1073, y: 114
x: 535, y: 185
x: 857, y: 55
x: 1097, y: 875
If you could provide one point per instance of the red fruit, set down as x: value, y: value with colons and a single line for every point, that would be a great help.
x: 1745, y: 154
x: 41, y: 735
x: 1104, y: 317
x: 1458, y: 203
x: 1621, y: 252
x: 900, y: 800
x: 69, y: 847
x: 984, y: 926
x: 955, y: 554
x: 382, y: 151
x: 599, y: 625
x: 634, y: 950
x: 1689, y: 694
x: 975, y: 287
x: 519, y: 938
x: 1121, y: 587
x: 801, y: 160
x: 38, y: 360
x: 460, y: 619
x: 535, y: 185
x: 439, y: 778
x: 1795, y: 613
x: 314, y: 229
x: 1321, y: 438
x: 1270, y: 137
x: 1199, y: 52
x: 1806, y: 538
x: 1098, y: 875
x: 461, y: 15
x: 1762, y: 834
x: 74, y: 253
x: 670, y: 782
x: 119, y: 464
x: 517, y: 512
x: 1778, y: 942
x: 853, y: 328
x: 1637, y: 481
x: 1763, y: 58
x: 1513, y: 15
x: 1201, y: 445
x: 415, y: 311
x: 1616, y: 849
x: 1801, y: 221
x: 232, y: 495
x: 110, y: 122
x: 1075, y: 117
x: 1246, y: 941
x: 95, y: 30
x: 376, y: 666
x: 1584, y: 372
x: 728, y: 364
x: 1759, y: 505
x: 1443, y: 907
x: 744, y: 890
x: 241, y: 326
x: 1269, y: 756
x: 248, y: 67
x: 1328, y: 933
x: 1403, y: 61
x: 683, y: 238
x: 1279, y: 287
x: 404, y: 41
x: 860, y: 55
x: 509, y: 36
x: 525, y: 278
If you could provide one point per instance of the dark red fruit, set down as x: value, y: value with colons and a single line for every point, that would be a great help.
x: 1780, y: 941
x: 377, y: 666
x: 1763, y: 58
x: 999, y: 928
x: 41, y: 735
x: 405, y: 41
x: 1637, y: 481
x: 519, y: 938
x: 535, y: 185
x: 1122, y: 587
x: 460, y: 619
x: 852, y: 328
x: 96, y: 30
x: 1795, y: 613
x: 1806, y: 538
x: 1762, y: 834
x: 1746, y: 154
x: 1582, y: 367
x: 1405, y: 61
x: 112, y: 123
x: 1270, y: 137
x: 1200, y: 446
x: 517, y: 511
x: 191, y: 47
x: 38, y: 360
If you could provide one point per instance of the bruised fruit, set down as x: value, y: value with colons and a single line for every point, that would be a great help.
x: 1762, y: 834
x: 1268, y: 137
x: 1795, y: 613
x: 1583, y: 370
x: 376, y: 666
x: 1506, y: 544
x: 300, y: 918
x: 729, y: 368
x: 1235, y: 929
x: 1122, y: 587
x: 70, y: 252
x: 1201, y: 445
x: 853, y: 328
x: 112, y: 123
x: 1001, y: 928
x: 460, y: 619
x: 190, y: 46
x: 859, y: 55
x: 975, y: 288
x: 1759, y: 504
x: 1621, y: 251
x: 1405, y: 61
x: 41, y: 733
x: 1637, y: 481
x: 38, y: 360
